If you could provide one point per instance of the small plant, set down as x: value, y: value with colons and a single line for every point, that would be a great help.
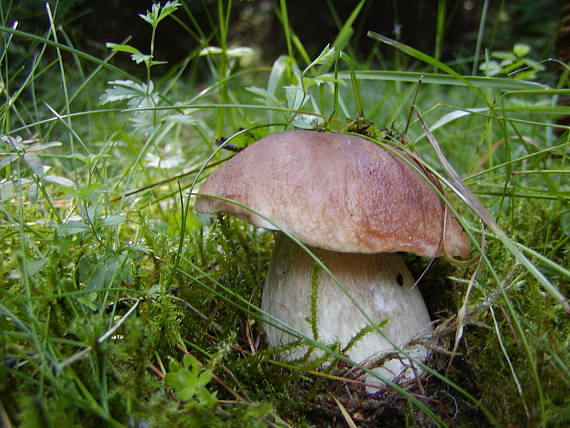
x: 153, y: 17
x: 515, y: 63
x: 189, y: 380
x: 25, y: 153
x: 141, y: 95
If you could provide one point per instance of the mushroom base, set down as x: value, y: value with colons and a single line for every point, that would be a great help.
x: 379, y: 283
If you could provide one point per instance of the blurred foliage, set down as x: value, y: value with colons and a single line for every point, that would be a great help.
x: 254, y: 23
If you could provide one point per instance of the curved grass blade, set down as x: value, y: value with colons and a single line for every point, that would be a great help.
x: 429, y: 60
x: 482, y: 212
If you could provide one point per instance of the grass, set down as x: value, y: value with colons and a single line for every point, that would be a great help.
x: 121, y: 306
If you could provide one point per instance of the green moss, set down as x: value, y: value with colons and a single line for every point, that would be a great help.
x: 315, y: 300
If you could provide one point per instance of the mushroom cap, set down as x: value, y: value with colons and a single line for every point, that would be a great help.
x: 338, y: 192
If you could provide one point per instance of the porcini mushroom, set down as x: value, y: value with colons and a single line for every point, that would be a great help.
x: 355, y: 204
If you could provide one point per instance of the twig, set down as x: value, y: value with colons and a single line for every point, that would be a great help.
x: 166, y: 180
x: 156, y: 370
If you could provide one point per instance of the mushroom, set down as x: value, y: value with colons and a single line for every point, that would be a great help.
x: 354, y: 204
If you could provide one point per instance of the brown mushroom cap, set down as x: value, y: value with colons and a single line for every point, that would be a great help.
x: 338, y: 192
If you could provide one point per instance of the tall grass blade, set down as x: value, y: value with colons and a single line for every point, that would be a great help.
x: 444, y: 79
x: 346, y: 31
x: 480, y: 34
x: 428, y: 60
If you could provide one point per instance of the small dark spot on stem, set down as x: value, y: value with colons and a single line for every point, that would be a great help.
x: 400, y: 279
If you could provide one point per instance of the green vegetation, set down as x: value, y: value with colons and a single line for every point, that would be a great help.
x: 120, y: 306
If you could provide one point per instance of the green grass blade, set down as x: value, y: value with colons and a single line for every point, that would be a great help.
x: 444, y: 79
x: 428, y: 60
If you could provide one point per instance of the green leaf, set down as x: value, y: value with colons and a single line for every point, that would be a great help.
x: 504, y: 63
x: 89, y: 159
x: 296, y: 96
x: 204, y: 378
x: 98, y: 276
x: 192, y: 222
x: 241, y: 52
x: 264, y: 97
x: 72, y: 227
x: 137, y: 94
x: 185, y: 119
x: 31, y: 268
x: 521, y: 49
x: 8, y: 188
x: 190, y: 360
x: 158, y: 12
x: 490, y: 68
x: 113, y: 220
x: 168, y: 8
x: 176, y: 379
x: 190, y: 380
x: 525, y: 75
x: 7, y: 160
x: 237, y: 52
x: 34, y: 162
x: 284, y: 66
x: 14, y: 143
x: 307, y: 121
x: 210, y: 50
x: 33, y: 192
x: 504, y: 55
x: 186, y: 394
x: 93, y: 213
x: 56, y: 179
x: 105, y: 272
x: 140, y: 57
x: 258, y: 410
x: 43, y: 146
x: 154, y: 292
x: 123, y: 48
x: 206, y: 398
x: 327, y: 58
x: 147, y: 18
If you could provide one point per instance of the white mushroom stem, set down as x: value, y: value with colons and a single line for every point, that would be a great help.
x: 381, y: 285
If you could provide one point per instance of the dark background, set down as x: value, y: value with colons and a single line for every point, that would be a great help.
x: 89, y: 24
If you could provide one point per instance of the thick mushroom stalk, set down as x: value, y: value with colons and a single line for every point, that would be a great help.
x: 318, y: 308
